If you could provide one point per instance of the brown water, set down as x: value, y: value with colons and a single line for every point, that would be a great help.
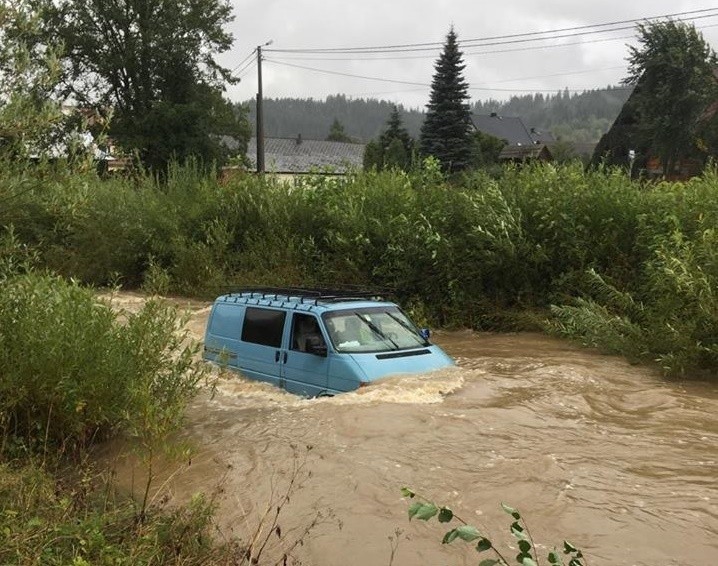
x: 611, y: 456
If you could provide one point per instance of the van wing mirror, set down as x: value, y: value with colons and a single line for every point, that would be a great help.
x: 425, y: 333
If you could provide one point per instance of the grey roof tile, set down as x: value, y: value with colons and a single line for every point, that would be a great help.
x: 295, y: 155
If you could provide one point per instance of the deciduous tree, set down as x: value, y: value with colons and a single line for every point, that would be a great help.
x: 28, y: 75
x: 154, y: 63
x: 673, y: 71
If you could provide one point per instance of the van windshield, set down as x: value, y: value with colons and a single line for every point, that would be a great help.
x: 374, y: 329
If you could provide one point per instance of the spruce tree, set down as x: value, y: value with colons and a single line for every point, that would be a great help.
x: 393, y: 149
x: 396, y: 130
x: 446, y: 131
x: 337, y: 133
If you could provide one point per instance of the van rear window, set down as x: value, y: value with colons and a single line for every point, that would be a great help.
x: 263, y: 326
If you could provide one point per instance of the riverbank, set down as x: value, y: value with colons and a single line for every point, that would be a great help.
x: 626, y: 266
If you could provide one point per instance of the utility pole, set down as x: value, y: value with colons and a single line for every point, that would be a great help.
x: 260, y: 111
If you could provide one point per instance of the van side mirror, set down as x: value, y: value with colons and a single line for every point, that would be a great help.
x: 315, y: 345
x: 425, y: 333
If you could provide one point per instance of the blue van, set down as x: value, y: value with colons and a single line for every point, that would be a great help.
x: 315, y: 343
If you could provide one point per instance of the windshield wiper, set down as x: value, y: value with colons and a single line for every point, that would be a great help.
x: 414, y: 333
x: 374, y: 328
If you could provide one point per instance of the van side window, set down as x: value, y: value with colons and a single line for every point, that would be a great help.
x: 263, y: 326
x: 305, y: 331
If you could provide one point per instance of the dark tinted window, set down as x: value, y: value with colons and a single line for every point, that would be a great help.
x: 263, y: 326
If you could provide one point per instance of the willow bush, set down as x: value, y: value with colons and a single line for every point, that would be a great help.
x: 72, y: 372
x: 465, y: 253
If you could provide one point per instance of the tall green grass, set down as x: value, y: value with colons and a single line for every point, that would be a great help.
x: 468, y: 253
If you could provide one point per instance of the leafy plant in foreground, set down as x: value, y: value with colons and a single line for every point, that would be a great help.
x: 424, y: 509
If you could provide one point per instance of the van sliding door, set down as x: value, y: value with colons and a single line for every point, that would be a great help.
x: 261, y: 354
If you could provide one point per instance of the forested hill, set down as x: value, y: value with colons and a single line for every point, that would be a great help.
x: 573, y: 117
x: 363, y: 119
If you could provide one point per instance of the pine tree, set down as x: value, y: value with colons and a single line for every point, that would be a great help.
x: 393, y: 149
x: 446, y: 132
x: 396, y: 130
x: 337, y: 133
x: 396, y: 137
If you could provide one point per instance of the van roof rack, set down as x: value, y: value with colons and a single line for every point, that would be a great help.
x: 313, y: 295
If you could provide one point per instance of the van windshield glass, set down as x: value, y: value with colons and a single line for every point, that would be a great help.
x: 375, y: 329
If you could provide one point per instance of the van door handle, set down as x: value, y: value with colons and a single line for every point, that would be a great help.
x: 276, y: 356
x: 285, y: 357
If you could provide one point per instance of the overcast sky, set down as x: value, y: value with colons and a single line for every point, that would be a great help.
x: 578, y: 62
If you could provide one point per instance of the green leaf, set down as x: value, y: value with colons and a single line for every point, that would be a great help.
x: 427, y: 511
x: 414, y: 509
x: 568, y: 547
x: 484, y: 544
x: 511, y: 511
x: 489, y: 562
x: 524, y: 546
x: 518, y: 531
x: 528, y: 561
x: 445, y: 515
x: 450, y: 536
x: 554, y: 558
x: 406, y: 492
x: 468, y: 533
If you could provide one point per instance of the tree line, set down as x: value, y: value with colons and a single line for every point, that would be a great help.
x: 573, y: 117
x: 147, y: 80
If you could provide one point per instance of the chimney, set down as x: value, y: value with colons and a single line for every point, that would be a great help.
x: 299, y: 139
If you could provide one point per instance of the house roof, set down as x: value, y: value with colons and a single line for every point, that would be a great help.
x: 297, y: 155
x: 511, y: 129
x: 524, y: 152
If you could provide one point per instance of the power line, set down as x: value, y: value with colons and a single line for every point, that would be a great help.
x: 427, y: 85
x: 251, y: 54
x: 517, y: 38
x: 326, y: 71
x: 248, y: 67
x: 470, y: 53
x: 563, y: 74
x: 466, y: 53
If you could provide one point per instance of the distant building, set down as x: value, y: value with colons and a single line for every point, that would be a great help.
x: 624, y: 144
x: 297, y: 156
x: 522, y: 143
x: 520, y: 153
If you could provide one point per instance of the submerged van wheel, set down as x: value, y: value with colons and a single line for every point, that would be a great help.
x: 325, y: 394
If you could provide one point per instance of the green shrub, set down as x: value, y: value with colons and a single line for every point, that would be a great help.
x: 468, y: 252
x: 71, y: 371
x: 83, y: 521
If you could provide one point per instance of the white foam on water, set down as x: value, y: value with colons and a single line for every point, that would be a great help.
x: 425, y: 388
x: 417, y: 389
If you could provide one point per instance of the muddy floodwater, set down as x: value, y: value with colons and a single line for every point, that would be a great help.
x: 611, y: 456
